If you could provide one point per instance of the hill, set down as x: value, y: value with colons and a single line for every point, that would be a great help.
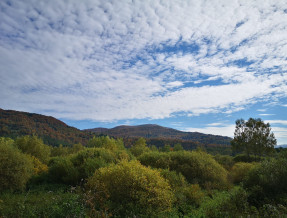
x: 53, y: 131
x: 151, y: 131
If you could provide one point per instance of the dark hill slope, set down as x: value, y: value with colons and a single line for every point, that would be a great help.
x: 53, y: 131
x: 151, y: 131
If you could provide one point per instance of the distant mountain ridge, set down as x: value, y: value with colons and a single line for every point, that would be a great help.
x: 55, y: 132
x: 152, y: 131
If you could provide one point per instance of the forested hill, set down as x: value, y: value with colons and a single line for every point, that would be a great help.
x: 56, y: 132
x: 53, y: 131
x: 151, y: 131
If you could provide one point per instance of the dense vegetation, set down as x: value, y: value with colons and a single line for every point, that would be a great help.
x: 53, y: 132
x: 106, y: 179
x: 151, y: 131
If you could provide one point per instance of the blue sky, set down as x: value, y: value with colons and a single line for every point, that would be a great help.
x: 190, y: 65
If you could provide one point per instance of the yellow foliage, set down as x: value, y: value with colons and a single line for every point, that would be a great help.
x: 39, y: 167
x: 194, y: 194
x: 138, y: 189
x: 34, y: 146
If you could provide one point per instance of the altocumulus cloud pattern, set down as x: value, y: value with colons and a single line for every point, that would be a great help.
x: 122, y: 60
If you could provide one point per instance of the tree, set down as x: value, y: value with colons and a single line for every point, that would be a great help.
x: 253, y: 137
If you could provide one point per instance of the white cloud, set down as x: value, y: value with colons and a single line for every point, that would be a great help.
x: 266, y: 114
x: 280, y: 134
x: 262, y: 110
x: 174, y: 84
x: 281, y: 122
x: 223, y: 130
x: 117, y: 60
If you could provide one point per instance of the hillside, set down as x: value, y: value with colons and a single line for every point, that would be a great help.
x: 151, y: 131
x: 53, y: 131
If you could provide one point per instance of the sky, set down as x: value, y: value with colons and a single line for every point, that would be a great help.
x: 190, y: 65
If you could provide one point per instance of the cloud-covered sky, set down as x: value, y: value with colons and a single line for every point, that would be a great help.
x: 192, y: 65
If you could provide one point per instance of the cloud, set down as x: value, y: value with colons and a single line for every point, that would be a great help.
x: 111, y: 60
x: 215, y: 129
x: 279, y: 127
x: 266, y: 114
x: 262, y: 110
x: 281, y: 122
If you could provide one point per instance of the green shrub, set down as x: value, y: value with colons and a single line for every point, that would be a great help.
x: 155, y: 159
x: 240, y: 170
x: 224, y: 204
x: 139, y: 147
x: 193, y: 194
x: 129, y: 189
x: 106, y: 142
x: 196, y: 166
x: 225, y: 160
x: 175, y: 179
x: 62, y: 170
x: 15, y: 167
x: 73, y: 168
x: 91, y: 159
x: 247, y: 158
x: 267, y: 181
x: 34, y: 146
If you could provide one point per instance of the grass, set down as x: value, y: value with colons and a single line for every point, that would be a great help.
x: 42, y: 201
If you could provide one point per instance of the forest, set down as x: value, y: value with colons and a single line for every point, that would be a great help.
x: 104, y: 178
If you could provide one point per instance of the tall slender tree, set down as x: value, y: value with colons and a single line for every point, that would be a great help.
x: 253, y: 137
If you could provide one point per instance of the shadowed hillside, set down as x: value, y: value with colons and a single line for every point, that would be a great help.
x: 53, y: 131
x: 151, y: 131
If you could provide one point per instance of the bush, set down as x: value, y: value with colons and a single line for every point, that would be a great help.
x: 240, y: 170
x: 106, y: 142
x: 39, y: 167
x: 91, y: 159
x: 196, y: 166
x: 129, y: 189
x: 156, y: 159
x: 224, y: 204
x: 73, y: 168
x: 187, y: 196
x: 34, y: 146
x: 267, y: 181
x: 224, y: 160
x: 62, y: 170
x: 175, y: 179
x: 247, y: 158
x: 15, y: 167
x: 194, y: 195
x: 139, y: 147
